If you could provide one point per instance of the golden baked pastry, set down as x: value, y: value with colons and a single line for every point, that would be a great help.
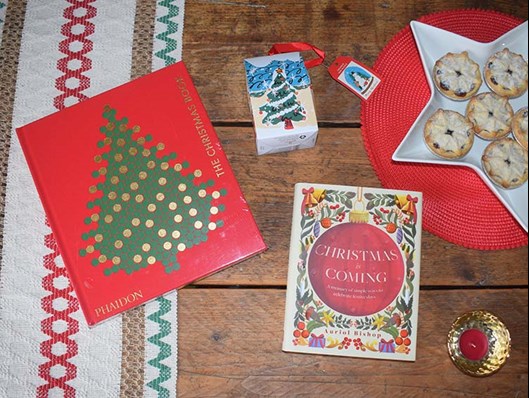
x: 457, y: 76
x: 519, y: 127
x: 448, y: 134
x: 491, y: 115
x: 506, y: 73
x: 505, y: 162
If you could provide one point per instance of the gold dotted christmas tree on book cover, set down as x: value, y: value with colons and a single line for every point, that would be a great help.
x: 149, y: 206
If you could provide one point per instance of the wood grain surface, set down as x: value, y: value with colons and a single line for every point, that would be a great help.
x: 220, y: 34
x: 338, y: 158
x: 230, y: 345
x: 231, y: 323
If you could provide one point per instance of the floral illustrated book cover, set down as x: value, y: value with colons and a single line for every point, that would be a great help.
x: 354, y: 270
x: 138, y: 192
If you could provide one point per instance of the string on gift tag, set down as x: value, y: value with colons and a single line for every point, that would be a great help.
x: 347, y: 71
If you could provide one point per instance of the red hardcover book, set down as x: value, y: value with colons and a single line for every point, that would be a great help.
x: 138, y: 192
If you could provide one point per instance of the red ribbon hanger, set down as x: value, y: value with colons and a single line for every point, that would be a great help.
x: 368, y: 78
x: 280, y: 48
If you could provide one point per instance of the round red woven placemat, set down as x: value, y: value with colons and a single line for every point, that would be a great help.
x: 458, y: 206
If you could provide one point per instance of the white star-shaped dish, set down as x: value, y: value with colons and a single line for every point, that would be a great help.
x: 433, y: 43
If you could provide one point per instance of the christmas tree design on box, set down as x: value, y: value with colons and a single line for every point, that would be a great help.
x: 138, y: 192
x: 281, y: 102
x: 354, y: 271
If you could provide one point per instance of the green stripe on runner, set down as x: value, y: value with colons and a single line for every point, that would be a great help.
x: 172, y: 28
x: 170, y: 45
x: 165, y: 349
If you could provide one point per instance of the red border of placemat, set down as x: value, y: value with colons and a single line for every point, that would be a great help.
x: 458, y: 206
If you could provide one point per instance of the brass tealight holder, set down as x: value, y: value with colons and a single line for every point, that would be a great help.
x: 479, y: 343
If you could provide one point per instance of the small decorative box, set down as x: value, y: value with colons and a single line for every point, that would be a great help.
x: 281, y: 103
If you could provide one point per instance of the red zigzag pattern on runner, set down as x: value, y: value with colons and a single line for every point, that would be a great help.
x: 60, y: 348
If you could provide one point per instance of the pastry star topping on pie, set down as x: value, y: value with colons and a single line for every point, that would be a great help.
x: 457, y: 76
x: 449, y: 134
x: 505, y: 162
x: 506, y: 73
x: 491, y: 115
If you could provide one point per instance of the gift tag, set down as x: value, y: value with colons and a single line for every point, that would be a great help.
x: 347, y: 71
x: 354, y: 76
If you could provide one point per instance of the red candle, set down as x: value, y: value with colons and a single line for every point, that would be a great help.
x: 474, y: 344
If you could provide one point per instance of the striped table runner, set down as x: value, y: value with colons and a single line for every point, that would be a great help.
x: 53, y: 54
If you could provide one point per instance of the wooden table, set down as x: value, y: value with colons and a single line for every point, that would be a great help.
x: 231, y: 323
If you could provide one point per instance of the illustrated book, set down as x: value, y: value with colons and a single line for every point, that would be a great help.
x: 138, y: 192
x: 354, y: 271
